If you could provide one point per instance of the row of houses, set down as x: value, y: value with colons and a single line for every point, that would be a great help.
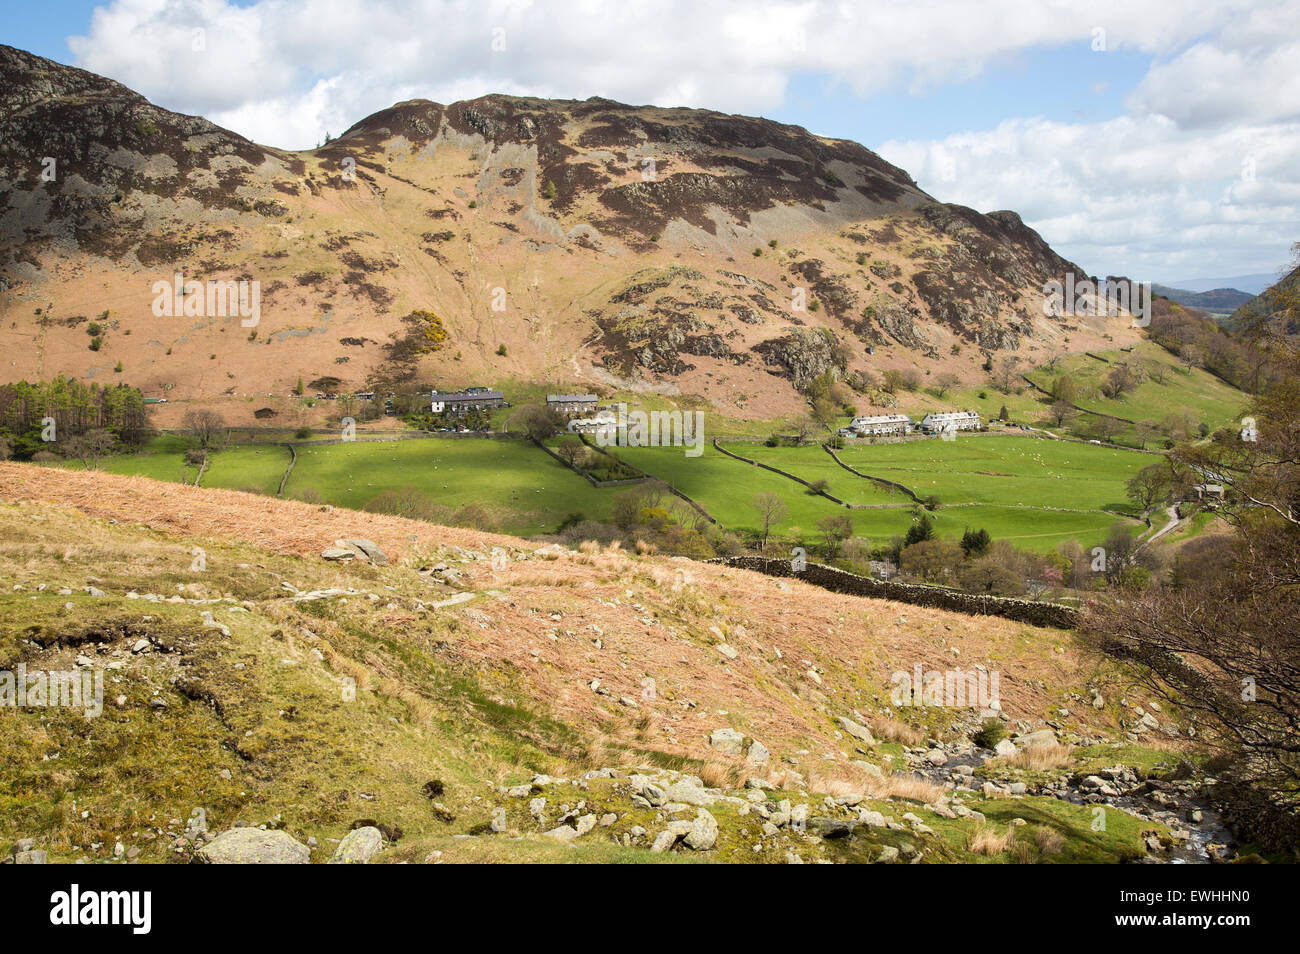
x: 459, y: 403
x: 879, y: 425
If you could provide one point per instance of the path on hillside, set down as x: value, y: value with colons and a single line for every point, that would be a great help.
x: 1172, y: 513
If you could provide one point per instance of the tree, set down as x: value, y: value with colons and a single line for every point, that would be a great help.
x: 1064, y: 389
x: 90, y: 447
x: 1108, y: 428
x: 988, y: 575
x: 824, y: 410
x: 1120, y: 381
x: 1063, y: 412
x: 835, y: 530
x: 1147, y: 430
x: 945, y: 382
x: 931, y: 560
x: 571, y: 451
x: 919, y: 532
x: 975, y: 542
x: 537, y: 421
x: 1149, y: 486
x: 1225, y: 648
x: 205, y: 425
x: 1006, y: 371
x: 1119, y: 547
x: 771, y: 511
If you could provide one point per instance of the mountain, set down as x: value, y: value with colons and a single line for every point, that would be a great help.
x: 504, y: 239
x: 1252, y: 284
x: 1217, y: 301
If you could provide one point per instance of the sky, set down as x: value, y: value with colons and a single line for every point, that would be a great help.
x: 1158, y: 139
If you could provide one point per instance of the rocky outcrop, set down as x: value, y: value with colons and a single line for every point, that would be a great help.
x: 804, y: 354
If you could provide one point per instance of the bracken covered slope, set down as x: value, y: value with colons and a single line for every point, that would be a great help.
x: 247, y: 680
x: 602, y: 245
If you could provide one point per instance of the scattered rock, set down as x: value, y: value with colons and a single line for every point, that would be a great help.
x: 704, y: 832
x: 252, y: 846
x: 358, y: 847
x: 727, y: 741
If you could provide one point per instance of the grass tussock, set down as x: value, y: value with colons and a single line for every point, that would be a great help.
x: 990, y: 842
x: 891, y: 730
x: 1049, y: 840
x: 1038, y: 758
x: 852, y: 781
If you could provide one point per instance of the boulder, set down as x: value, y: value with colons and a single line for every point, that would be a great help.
x: 252, y: 846
x: 758, y: 753
x: 358, y: 847
x: 704, y: 832
x: 366, y: 550
x: 691, y: 791
x: 727, y: 741
x: 663, y: 841
x: 1005, y: 748
x: 831, y: 828
x: 859, y: 732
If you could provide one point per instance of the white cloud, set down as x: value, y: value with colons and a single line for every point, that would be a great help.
x: 1134, y: 195
x: 270, y: 55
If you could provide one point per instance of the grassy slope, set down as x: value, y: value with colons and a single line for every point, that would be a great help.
x: 524, y: 489
x: 1034, y: 492
x: 1195, y: 392
x: 268, y: 704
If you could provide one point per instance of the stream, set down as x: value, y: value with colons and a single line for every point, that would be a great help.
x: 1179, y: 804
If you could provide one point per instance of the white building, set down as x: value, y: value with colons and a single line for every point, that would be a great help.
x: 936, y: 422
x: 603, y: 424
x: 882, y: 424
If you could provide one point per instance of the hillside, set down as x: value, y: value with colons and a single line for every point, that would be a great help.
x: 1276, y: 306
x: 1217, y: 301
x: 493, y: 241
x: 479, y: 685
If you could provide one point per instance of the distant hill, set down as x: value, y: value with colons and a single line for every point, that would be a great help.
x: 1252, y: 284
x: 1218, y: 301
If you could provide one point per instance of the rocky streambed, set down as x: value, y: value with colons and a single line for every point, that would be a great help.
x: 1180, y: 802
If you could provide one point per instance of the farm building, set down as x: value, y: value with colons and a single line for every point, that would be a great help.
x: 604, y: 424
x: 881, y: 424
x: 462, y: 402
x: 571, y: 404
x: 937, y: 421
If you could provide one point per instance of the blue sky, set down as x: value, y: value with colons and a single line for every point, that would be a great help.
x: 1159, y: 139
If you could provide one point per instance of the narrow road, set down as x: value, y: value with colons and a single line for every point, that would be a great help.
x: 1172, y: 513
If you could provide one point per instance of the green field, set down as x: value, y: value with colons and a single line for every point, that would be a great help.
x: 523, y: 489
x: 1034, y: 492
